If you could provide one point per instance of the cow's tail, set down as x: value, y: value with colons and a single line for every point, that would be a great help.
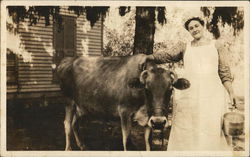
x: 65, y: 76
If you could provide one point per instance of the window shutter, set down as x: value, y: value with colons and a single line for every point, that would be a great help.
x: 58, y: 37
x: 64, y: 41
x: 69, y: 36
x: 11, y: 69
x: 58, y: 43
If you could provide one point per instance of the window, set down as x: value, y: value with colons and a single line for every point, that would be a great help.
x: 64, y: 40
x: 11, y: 69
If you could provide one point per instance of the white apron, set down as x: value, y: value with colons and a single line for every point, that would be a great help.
x: 198, y: 110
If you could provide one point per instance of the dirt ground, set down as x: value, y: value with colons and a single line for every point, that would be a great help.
x: 39, y: 126
x: 35, y: 126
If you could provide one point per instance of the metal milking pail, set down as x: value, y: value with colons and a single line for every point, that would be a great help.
x: 233, y: 123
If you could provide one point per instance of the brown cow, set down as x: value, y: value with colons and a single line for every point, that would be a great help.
x: 115, y: 86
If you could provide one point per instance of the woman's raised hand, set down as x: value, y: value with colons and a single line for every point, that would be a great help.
x: 143, y: 59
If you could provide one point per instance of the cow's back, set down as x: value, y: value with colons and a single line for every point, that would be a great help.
x: 101, y: 83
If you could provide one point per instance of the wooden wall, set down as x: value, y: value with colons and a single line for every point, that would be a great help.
x: 35, y: 77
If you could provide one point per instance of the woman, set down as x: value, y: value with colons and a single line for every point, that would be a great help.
x: 199, y: 109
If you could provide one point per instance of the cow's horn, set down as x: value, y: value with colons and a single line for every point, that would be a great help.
x: 174, y: 76
x: 143, y: 76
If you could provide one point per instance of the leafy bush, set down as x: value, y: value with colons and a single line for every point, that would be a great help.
x: 120, y: 41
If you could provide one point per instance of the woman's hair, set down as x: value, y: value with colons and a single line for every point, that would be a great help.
x: 191, y: 19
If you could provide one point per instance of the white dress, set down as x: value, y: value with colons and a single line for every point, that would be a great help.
x: 198, y: 110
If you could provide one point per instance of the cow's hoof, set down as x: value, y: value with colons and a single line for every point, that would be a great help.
x: 83, y: 147
x: 68, y: 149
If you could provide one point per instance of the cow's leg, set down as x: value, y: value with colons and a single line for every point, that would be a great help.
x: 69, y: 113
x: 146, y: 137
x: 75, y: 126
x: 125, y: 125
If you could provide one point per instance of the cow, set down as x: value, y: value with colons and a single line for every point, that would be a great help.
x: 116, y: 86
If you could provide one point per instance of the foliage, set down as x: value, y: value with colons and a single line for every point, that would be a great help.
x: 12, y: 28
x: 233, y: 16
x: 160, y: 13
x: 124, y: 10
x: 93, y: 14
x: 120, y: 42
x: 118, y: 45
x: 34, y: 13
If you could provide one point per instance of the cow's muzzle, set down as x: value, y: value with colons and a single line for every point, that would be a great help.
x: 158, y: 122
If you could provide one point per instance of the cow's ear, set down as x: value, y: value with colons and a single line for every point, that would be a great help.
x: 135, y: 83
x: 143, y: 76
x: 181, y: 84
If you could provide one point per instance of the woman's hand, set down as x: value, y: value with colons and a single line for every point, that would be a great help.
x: 143, y: 59
x: 233, y: 99
x: 232, y: 96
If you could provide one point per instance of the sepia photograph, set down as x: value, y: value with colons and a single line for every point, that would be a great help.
x: 135, y: 78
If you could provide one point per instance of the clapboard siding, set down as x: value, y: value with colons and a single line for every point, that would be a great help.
x: 90, y: 36
x: 47, y: 41
x: 33, y: 63
x: 93, y: 37
x: 91, y: 44
x: 35, y: 52
x: 94, y: 52
x: 34, y: 72
x: 37, y: 46
x: 26, y: 75
x: 34, y: 42
x: 39, y: 33
x: 35, y: 79
x: 31, y: 36
x: 38, y: 86
x: 39, y: 58
x: 36, y: 75
x: 95, y: 31
x: 35, y: 89
x: 40, y: 26
x: 38, y: 52
x: 64, y: 11
x: 35, y: 82
x: 35, y: 27
x: 36, y: 30
x: 43, y: 59
x: 29, y: 68
x: 93, y: 48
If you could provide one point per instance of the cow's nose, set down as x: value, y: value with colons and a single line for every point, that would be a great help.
x: 158, y: 122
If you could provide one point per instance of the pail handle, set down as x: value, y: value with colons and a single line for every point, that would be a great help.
x: 232, y: 107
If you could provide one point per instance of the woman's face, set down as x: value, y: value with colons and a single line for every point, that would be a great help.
x: 195, y: 29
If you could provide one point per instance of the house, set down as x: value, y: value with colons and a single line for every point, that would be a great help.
x: 47, y: 45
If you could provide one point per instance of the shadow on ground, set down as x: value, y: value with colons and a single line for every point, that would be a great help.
x: 32, y: 125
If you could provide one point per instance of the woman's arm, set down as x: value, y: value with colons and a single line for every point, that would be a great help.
x: 173, y: 54
x: 229, y: 88
x: 224, y: 72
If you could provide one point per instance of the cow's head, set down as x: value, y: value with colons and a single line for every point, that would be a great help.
x: 158, y: 84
